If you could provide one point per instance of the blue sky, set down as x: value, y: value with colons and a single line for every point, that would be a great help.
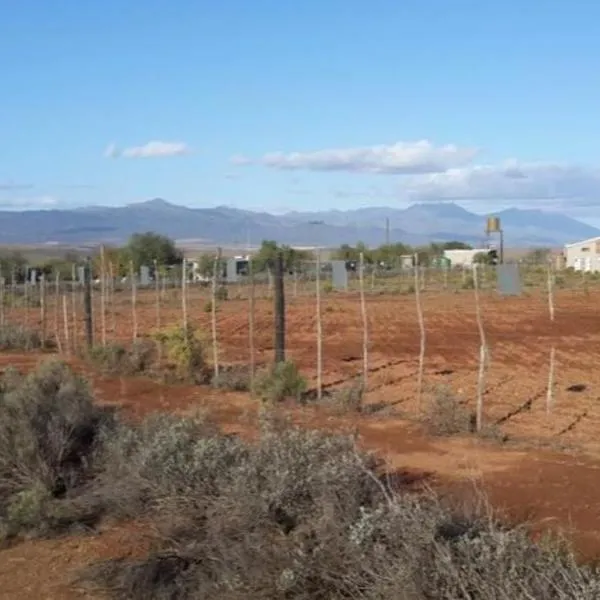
x: 316, y: 104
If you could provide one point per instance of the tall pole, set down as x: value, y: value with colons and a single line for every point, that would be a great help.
x: 87, y: 302
x: 279, y: 309
x: 387, y: 231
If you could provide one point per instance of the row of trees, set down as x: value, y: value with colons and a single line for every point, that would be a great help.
x: 390, y: 254
x: 146, y: 248
x: 141, y: 249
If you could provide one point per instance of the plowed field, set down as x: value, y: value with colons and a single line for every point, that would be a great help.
x: 547, y: 473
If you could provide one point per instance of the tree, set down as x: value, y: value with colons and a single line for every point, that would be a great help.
x: 350, y: 253
x: 539, y: 256
x: 267, y: 253
x: 13, y: 265
x: 206, y: 264
x: 389, y: 254
x: 482, y: 258
x: 454, y: 245
x: 145, y: 248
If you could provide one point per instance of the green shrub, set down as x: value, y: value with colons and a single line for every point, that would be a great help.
x: 278, y: 382
x: 327, y: 287
x: 468, y: 283
x: 110, y: 358
x: 184, y: 351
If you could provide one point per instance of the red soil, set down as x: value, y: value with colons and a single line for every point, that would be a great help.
x: 526, y: 478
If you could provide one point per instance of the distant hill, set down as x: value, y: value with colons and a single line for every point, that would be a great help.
x: 417, y: 224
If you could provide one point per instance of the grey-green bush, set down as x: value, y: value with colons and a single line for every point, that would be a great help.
x: 301, y: 515
x: 49, y: 433
x: 19, y: 337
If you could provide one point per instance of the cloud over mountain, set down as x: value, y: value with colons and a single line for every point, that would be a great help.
x: 556, y: 185
x: 399, y: 158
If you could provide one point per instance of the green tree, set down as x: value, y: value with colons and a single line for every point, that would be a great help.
x: 206, y: 264
x: 352, y: 253
x: 390, y: 254
x: 453, y: 245
x: 539, y: 256
x: 145, y: 248
x: 13, y: 264
x: 482, y: 258
x: 56, y: 266
x: 292, y: 257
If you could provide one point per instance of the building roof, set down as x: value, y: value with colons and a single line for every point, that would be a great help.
x: 588, y: 241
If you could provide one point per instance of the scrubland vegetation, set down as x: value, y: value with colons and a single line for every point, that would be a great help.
x: 296, y: 514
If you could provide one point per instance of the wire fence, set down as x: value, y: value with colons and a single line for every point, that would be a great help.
x: 122, y: 307
x: 238, y: 316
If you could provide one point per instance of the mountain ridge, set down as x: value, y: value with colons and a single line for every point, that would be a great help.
x: 417, y: 224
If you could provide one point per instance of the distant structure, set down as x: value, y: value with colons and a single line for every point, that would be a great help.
x: 463, y: 258
x: 584, y: 255
x: 494, y: 227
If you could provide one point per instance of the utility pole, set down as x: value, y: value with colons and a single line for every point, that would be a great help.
x: 87, y: 302
x: 279, y: 309
x: 387, y: 231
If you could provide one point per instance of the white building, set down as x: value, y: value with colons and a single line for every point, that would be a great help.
x: 583, y: 256
x: 463, y: 258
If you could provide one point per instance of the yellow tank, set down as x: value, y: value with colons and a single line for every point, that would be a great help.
x: 493, y: 225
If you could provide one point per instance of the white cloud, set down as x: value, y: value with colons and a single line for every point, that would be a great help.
x: 9, y: 186
x: 524, y: 183
x: 399, y: 158
x: 152, y: 149
x: 29, y: 202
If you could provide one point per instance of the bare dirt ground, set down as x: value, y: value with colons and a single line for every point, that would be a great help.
x: 548, y: 472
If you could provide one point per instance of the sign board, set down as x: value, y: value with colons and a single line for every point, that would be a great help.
x: 231, y: 274
x: 81, y: 274
x: 144, y: 275
x: 509, y: 280
x: 339, y: 274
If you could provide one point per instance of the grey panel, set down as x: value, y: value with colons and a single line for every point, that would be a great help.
x: 339, y: 274
x: 231, y: 274
x: 81, y: 274
x: 33, y: 276
x: 509, y: 280
x: 144, y: 275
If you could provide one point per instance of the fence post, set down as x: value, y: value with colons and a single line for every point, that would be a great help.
x: 87, y: 302
x: 279, y: 310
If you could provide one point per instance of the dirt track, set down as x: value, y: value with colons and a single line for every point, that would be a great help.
x: 546, y: 487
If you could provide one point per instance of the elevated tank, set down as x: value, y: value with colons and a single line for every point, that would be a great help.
x: 493, y: 225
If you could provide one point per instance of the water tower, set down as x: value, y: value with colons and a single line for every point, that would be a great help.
x: 494, y: 227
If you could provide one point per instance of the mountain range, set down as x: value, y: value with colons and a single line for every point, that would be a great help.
x: 417, y: 224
